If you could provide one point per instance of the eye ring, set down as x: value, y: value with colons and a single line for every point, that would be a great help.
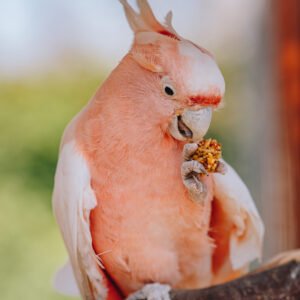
x: 168, y: 87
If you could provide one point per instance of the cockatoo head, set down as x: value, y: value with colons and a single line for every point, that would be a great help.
x: 186, y: 75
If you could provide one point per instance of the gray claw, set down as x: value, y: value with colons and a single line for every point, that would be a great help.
x: 196, y: 188
x: 188, y: 150
x: 190, y: 167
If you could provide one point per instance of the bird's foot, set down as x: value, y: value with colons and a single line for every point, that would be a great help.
x: 189, y: 173
x: 152, y: 291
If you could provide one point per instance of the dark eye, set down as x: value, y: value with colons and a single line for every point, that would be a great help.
x: 167, y: 87
x: 169, y: 91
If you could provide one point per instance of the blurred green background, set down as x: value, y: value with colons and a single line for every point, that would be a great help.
x: 38, y: 101
x: 33, y: 114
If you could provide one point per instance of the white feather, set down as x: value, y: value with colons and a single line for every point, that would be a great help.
x: 65, y: 282
x: 73, y: 199
x: 237, y: 203
x: 204, y: 71
x: 169, y: 26
x: 134, y: 19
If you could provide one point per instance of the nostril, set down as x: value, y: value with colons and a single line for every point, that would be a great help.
x: 183, y: 129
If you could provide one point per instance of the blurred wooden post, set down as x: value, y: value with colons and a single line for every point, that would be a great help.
x: 287, y: 62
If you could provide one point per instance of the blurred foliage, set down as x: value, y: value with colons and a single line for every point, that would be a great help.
x: 33, y: 115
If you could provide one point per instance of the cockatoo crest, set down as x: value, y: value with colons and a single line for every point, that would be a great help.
x: 146, y: 21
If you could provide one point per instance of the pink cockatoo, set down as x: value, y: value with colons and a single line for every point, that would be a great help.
x: 135, y: 219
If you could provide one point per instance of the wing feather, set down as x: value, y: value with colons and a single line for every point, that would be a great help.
x: 73, y: 199
x: 246, y: 235
x: 65, y: 282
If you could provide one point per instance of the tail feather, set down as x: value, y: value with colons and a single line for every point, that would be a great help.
x: 65, y: 282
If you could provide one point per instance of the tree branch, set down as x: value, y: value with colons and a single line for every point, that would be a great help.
x: 282, y: 282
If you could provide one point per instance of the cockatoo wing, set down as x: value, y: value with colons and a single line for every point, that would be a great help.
x: 73, y: 199
x: 65, y: 282
x: 236, y: 225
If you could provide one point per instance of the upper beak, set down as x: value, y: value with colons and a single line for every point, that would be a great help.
x: 191, y: 124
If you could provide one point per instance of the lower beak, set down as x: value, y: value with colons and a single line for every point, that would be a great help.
x: 191, y: 125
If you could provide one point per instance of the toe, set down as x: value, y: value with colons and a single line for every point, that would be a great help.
x: 188, y: 150
x: 191, y: 166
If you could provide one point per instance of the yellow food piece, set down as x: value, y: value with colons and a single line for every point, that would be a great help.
x: 208, y: 154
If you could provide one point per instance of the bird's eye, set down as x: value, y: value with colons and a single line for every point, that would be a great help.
x: 168, y: 86
x: 169, y: 91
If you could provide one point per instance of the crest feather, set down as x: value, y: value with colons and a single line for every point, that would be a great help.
x: 146, y: 21
x: 134, y: 19
x: 148, y: 16
x: 168, y: 23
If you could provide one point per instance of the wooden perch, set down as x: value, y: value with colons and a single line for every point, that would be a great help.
x: 281, y: 282
x: 279, y: 278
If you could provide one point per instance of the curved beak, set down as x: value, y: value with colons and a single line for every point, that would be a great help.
x: 191, y: 125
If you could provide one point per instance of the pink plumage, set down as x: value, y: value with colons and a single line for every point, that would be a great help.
x: 128, y: 219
